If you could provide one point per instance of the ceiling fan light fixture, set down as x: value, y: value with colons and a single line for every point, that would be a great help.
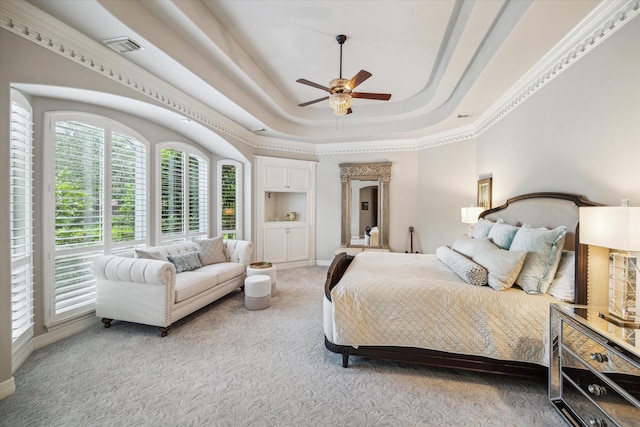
x: 340, y: 103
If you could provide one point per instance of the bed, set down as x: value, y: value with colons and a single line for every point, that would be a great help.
x: 421, y: 308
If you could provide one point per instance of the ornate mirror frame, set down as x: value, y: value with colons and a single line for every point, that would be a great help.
x: 380, y: 172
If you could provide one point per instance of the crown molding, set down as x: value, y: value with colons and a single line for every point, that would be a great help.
x: 29, y: 22
x: 605, y: 20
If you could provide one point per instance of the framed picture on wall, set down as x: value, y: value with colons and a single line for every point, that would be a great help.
x: 484, y: 193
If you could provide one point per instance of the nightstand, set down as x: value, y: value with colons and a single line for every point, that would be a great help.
x: 594, y: 369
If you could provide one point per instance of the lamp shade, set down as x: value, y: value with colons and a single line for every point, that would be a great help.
x: 613, y: 227
x: 469, y: 215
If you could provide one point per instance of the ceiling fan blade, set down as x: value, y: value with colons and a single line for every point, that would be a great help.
x: 312, y: 84
x: 313, y: 102
x: 378, y: 96
x: 359, y: 78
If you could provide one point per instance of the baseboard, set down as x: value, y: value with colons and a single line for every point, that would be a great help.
x: 7, y: 388
x: 323, y: 262
x: 65, y: 331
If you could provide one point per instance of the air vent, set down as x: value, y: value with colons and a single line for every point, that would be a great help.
x: 122, y: 44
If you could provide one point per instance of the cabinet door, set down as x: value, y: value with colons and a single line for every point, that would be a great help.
x: 298, y: 243
x: 275, y: 245
x: 299, y: 179
x: 275, y: 177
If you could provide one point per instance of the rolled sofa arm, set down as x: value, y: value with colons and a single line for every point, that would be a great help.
x: 136, y: 270
x: 238, y: 250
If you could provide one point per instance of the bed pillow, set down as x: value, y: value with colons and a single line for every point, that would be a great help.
x: 544, y: 248
x: 482, y: 228
x: 503, y: 266
x: 185, y: 262
x: 563, y: 286
x: 151, y: 254
x: 466, y: 245
x: 211, y: 250
x: 502, y: 234
x: 468, y: 270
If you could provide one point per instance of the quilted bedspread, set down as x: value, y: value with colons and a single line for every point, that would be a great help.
x: 415, y: 300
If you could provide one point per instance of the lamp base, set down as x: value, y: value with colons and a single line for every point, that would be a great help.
x: 612, y: 318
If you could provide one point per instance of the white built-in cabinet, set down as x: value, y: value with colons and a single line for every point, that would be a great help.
x: 285, y: 186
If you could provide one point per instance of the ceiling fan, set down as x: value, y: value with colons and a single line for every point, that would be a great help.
x: 341, y: 90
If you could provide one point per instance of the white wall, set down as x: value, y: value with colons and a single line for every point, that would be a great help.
x: 402, y: 199
x: 447, y: 181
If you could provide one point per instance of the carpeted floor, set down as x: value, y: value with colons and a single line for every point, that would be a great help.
x: 228, y: 366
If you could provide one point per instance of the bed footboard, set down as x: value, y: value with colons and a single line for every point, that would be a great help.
x: 338, y: 266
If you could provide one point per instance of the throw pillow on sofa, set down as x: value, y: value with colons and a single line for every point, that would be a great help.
x: 211, y: 250
x: 185, y: 262
x: 151, y: 254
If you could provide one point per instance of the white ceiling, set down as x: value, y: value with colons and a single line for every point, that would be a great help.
x: 438, y: 58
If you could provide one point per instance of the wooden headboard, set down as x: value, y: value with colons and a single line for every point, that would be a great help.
x: 550, y: 210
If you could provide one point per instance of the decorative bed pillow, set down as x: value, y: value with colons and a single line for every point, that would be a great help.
x: 482, y: 228
x: 502, y: 234
x: 211, y: 250
x: 468, y: 270
x: 502, y: 265
x: 185, y: 262
x: 563, y: 286
x: 466, y: 245
x: 151, y: 254
x: 544, y: 248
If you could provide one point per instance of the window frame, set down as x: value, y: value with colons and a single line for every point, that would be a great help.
x: 239, y: 200
x: 187, y: 234
x: 106, y: 246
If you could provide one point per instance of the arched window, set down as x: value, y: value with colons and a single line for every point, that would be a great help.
x: 229, y: 218
x: 184, y: 195
x: 96, y: 199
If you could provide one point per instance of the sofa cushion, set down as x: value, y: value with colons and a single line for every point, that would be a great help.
x: 211, y: 250
x: 224, y: 270
x: 190, y: 283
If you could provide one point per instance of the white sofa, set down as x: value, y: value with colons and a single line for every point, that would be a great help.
x: 150, y: 291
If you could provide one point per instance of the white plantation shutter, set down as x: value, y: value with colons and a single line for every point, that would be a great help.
x: 21, y: 222
x: 79, y: 213
x: 198, y: 196
x: 172, y: 178
x: 128, y: 191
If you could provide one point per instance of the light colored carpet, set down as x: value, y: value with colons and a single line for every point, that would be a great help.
x: 227, y: 366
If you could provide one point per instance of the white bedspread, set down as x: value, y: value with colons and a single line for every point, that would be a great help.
x: 415, y: 300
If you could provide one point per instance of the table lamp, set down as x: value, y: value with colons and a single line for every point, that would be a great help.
x: 616, y: 228
x: 469, y: 215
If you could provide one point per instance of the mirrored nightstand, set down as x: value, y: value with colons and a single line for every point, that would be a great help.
x: 594, y: 369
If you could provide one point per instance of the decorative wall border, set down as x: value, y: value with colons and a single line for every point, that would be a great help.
x: 381, y: 170
x: 29, y: 22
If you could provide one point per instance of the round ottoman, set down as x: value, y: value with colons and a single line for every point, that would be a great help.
x: 257, y: 292
x: 265, y: 268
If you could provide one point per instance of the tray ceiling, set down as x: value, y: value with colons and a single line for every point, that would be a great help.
x: 446, y: 63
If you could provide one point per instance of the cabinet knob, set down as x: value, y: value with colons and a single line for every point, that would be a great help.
x: 597, y: 422
x: 597, y: 390
x: 599, y: 357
